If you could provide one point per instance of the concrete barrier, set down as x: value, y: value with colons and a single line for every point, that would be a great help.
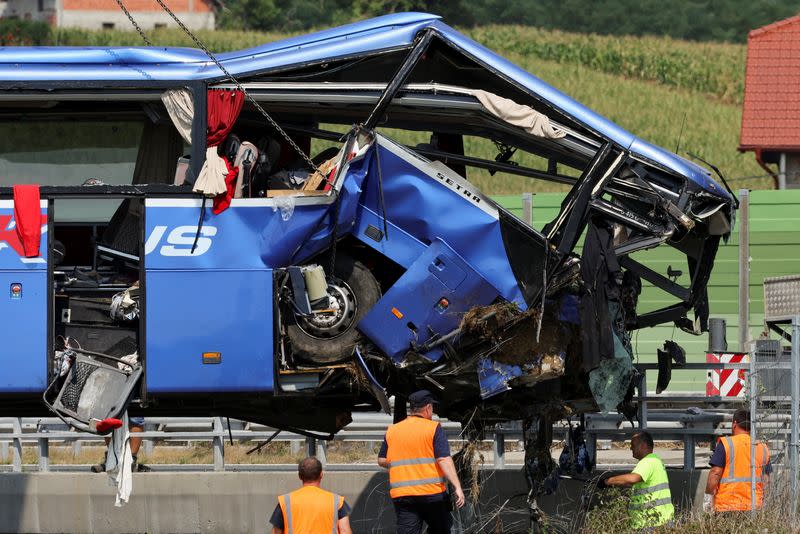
x: 243, y: 502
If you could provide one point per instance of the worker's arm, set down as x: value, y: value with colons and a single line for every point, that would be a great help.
x: 382, y: 461
x: 628, y: 479
x: 449, y: 470
x: 344, y: 525
x: 276, y: 530
x: 714, y: 476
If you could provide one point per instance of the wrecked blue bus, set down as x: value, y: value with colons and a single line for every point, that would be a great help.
x: 254, y: 235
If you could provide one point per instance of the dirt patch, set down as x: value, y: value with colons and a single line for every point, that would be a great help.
x: 487, y: 321
x: 512, y: 335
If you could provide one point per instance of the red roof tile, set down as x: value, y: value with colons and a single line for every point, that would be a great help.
x: 771, y: 112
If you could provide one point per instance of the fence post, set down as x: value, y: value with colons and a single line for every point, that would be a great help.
x: 744, y: 269
x: 793, y: 459
x: 148, y: 443
x: 688, y: 452
x: 499, y: 449
x: 219, y: 445
x: 44, y: 455
x: 16, y: 446
x: 643, y: 400
x: 527, y: 208
x: 3, y: 451
x: 322, y: 452
x: 311, y: 446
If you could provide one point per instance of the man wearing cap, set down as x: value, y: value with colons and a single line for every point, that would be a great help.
x: 417, y: 454
x: 729, y: 486
x: 311, y: 509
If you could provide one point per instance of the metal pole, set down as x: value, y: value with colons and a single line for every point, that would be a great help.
x: 499, y: 449
x: 795, y: 411
x: 322, y: 452
x: 751, y: 380
x: 219, y: 445
x: 44, y: 455
x: 16, y: 446
x: 643, y: 401
x: 688, y: 452
x: 744, y: 269
x: 527, y: 208
x: 311, y: 446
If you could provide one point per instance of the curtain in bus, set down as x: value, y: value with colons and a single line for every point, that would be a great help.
x: 223, y: 110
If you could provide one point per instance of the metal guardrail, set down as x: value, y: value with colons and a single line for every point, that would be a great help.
x: 43, y: 431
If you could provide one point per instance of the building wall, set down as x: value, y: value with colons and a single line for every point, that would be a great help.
x: 100, y: 14
x: 41, y: 10
x: 149, y: 20
x: 791, y: 169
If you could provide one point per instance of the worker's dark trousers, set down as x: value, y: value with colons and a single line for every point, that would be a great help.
x: 411, y: 513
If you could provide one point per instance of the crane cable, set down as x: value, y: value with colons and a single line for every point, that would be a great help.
x: 230, y: 76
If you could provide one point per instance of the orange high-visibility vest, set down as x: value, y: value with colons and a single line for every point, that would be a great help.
x: 734, y: 493
x: 310, y: 510
x: 413, y: 469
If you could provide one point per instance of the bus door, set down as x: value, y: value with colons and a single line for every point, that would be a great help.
x: 209, y: 298
x: 23, y: 306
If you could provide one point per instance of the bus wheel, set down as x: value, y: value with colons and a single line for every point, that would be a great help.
x: 330, y: 336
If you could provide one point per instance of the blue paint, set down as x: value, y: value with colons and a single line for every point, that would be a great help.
x: 192, y: 312
x: 23, y: 319
x: 438, y: 273
x: 217, y: 300
x: 493, y: 377
x: 424, y: 207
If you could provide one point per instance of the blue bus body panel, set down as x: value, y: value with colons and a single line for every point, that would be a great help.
x: 190, y: 313
x: 411, y: 312
x: 23, y: 318
x: 421, y: 203
x: 218, y: 299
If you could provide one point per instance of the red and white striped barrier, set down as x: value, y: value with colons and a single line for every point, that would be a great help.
x: 726, y: 382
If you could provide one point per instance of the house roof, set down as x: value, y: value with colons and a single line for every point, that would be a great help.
x: 771, y: 111
x: 53, y: 67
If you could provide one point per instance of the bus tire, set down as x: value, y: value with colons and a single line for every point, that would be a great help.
x: 328, y: 341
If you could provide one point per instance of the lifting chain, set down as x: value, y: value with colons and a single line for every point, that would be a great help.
x: 230, y: 76
x: 130, y: 18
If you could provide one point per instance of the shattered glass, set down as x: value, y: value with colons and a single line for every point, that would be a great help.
x: 610, y: 381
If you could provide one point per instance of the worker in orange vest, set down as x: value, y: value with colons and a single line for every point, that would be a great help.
x: 729, y: 484
x: 311, y: 509
x: 417, y: 455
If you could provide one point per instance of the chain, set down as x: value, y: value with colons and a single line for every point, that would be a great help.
x: 247, y: 95
x: 130, y: 18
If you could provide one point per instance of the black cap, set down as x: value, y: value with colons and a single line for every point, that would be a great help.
x: 421, y: 398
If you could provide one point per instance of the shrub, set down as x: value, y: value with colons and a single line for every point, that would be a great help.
x: 17, y: 32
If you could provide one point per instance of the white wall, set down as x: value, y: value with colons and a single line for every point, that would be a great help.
x: 94, y: 20
x: 28, y: 9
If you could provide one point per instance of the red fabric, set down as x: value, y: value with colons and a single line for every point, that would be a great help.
x: 223, y: 200
x: 28, y: 217
x: 223, y: 110
x: 107, y: 425
x: 771, y: 109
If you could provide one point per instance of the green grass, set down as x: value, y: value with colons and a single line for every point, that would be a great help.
x: 650, y: 86
x: 716, y: 69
